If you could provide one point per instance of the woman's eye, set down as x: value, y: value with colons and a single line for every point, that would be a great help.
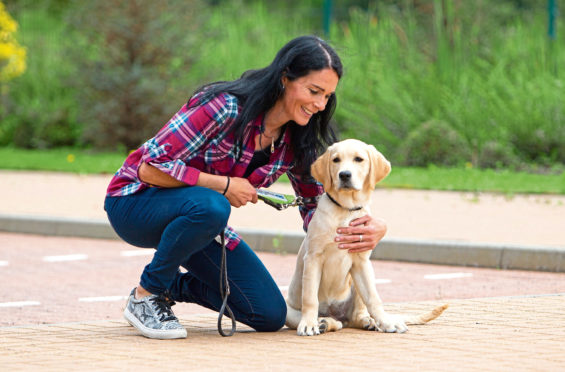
x: 336, y: 160
x: 313, y: 91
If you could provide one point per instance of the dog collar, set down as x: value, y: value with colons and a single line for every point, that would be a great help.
x: 339, y: 205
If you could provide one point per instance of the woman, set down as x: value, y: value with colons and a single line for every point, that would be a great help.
x: 175, y: 192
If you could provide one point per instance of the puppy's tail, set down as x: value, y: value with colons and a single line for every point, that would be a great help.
x: 425, y: 317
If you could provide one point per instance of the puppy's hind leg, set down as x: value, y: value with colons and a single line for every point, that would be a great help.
x: 328, y: 324
x: 359, y: 317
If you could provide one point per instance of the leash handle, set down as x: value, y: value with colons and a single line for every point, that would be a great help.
x: 275, y: 199
x: 225, y: 291
x: 283, y: 201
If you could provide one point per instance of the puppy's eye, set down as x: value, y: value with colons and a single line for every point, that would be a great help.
x: 358, y: 159
x: 336, y: 160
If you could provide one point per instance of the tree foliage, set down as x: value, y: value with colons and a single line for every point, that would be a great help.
x: 131, y: 53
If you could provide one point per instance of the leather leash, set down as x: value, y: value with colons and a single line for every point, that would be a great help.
x: 225, y: 291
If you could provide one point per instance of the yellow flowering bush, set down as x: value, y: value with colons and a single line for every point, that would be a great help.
x: 12, y: 54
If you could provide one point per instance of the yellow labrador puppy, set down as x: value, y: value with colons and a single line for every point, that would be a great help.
x: 332, y: 288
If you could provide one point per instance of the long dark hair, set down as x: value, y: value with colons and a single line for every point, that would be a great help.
x: 258, y: 90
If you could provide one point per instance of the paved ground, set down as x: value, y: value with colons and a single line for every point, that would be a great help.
x: 489, y: 333
x: 63, y: 279
x: 495, y: 334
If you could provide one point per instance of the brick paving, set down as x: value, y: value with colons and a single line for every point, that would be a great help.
x: 494, y: 334
x: 63, y: 290
x: 490, y: 334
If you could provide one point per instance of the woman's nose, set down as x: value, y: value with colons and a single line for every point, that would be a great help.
x: 320, y: 104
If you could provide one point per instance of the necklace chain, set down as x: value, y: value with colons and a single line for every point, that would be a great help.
x: 268, y: 135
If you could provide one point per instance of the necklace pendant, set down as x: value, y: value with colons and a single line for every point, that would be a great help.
x: 272, y: 145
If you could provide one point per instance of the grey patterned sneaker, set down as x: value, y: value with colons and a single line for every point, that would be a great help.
x: 153, y: 317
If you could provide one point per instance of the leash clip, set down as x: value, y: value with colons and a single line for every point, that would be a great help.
x: 298, y: 202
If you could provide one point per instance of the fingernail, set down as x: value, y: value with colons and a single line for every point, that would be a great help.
x: 340, y: 246
x: 337, y: 239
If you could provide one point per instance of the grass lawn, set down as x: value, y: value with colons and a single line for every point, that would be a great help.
x: 61, y: 160
x: 431, y: 178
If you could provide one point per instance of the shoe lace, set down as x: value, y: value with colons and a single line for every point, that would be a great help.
x: 163, y: 307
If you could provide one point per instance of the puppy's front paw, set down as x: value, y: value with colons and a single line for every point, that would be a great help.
x: 391, y: 324
x: 308, y: 327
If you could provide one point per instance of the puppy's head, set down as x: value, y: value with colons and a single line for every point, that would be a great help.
x: 350, y: 165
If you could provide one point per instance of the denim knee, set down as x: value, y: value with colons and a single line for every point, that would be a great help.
x: 213, y: 210
x: 272, y: 318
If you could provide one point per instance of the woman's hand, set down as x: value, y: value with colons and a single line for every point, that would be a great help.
x: 362, y: 234
x: 240, y: 192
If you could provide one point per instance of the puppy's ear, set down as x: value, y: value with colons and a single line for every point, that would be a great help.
x: 380, y: 167
x: 320, y: 170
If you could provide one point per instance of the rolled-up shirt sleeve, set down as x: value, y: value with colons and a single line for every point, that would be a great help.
x: 186, y: 133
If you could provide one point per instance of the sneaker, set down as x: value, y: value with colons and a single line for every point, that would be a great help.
x: 153, y: 317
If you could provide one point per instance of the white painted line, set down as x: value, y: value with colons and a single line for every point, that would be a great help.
x: 3, y: 263
x: 447, y: 276
x: 19, y: 303
x: 103, y: 299
x: 65, y: 258
x: 138, y: 252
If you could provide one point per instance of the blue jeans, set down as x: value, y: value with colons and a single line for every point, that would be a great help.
x: 182, y: 223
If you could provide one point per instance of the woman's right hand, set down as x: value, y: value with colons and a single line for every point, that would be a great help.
x: 240, y: 192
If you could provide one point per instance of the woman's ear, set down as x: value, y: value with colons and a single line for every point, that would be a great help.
x: 320, y: 170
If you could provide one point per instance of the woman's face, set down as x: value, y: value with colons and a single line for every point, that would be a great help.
x: 305, y: 96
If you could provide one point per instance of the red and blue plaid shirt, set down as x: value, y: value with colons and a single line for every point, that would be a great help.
x: 196, y: 140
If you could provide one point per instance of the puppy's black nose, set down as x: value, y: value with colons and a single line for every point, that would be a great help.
x: 345, y: 175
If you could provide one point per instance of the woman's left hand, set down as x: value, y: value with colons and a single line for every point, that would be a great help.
x: 362, y: 234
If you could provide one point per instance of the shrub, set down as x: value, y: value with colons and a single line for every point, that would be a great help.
x: 540, y: 145
x: 434, y: 142
x: 497, y: 155
x: 33, y: 130
x: 131, y: 52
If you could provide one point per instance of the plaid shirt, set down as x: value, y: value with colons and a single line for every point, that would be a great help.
x: 195, y: 140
